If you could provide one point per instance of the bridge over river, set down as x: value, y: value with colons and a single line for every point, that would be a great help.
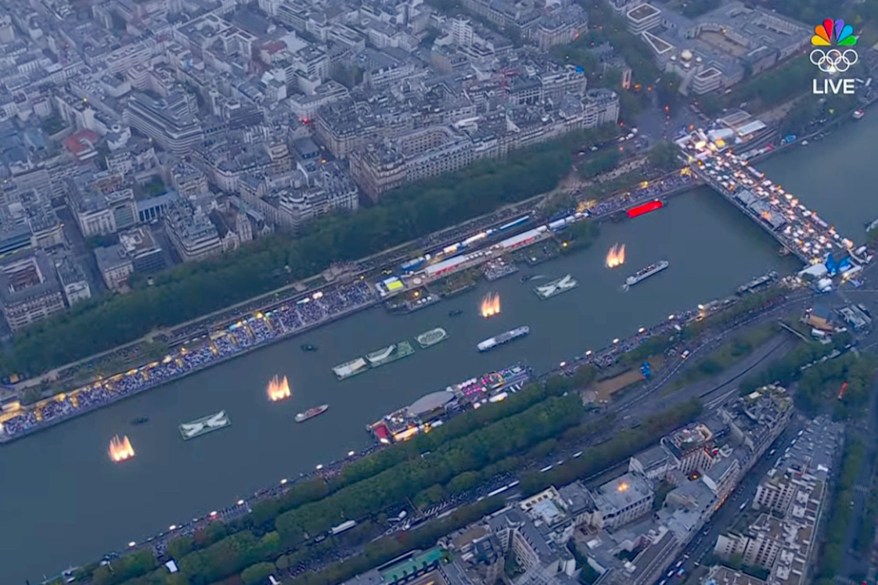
x: 799, y: 230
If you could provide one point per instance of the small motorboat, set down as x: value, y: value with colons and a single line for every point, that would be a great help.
x: 308, y: 347
x: 140, y: 420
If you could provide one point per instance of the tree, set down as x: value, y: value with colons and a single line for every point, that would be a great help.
x: 600, y: 163
x: 584, y: 376
x: 128, y: 567
x: 181, y: 546
x: 664, y: 156
x: 257, y: 574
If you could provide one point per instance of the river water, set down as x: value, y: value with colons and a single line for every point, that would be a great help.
x: 64, y: 503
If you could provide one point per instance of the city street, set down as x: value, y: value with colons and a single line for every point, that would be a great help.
x: 701, y: 547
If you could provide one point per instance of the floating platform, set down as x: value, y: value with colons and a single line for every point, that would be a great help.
x: 431, y: 337
x: 498, y: 269
x: 556, y: 287
x: 204, y: 425
x: 351, y: 368
x: 389, y: 354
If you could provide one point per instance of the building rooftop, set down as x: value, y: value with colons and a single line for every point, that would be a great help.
x: 111, y: 257
x: 622, y: 491
x: 26, y: 275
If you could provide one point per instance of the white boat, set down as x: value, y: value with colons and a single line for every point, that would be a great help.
x: 556, y: 287
x: 204, y: 425
x: 311, y: 413
x: 504, y: 337
x: 351, y: 368
x: 381, y: 355
x: 646, y: 272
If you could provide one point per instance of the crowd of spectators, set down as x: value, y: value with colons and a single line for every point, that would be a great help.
x: 647, y: 191
x: 247, y: 333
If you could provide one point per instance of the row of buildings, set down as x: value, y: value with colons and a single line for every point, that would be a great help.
x: 623, y: 530
x: 176, y: 131
x: 787, y: 509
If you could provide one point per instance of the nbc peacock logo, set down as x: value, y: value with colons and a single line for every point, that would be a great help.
x: 838, y: 37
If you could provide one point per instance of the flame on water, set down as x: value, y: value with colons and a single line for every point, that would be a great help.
x: 616, y: 256
x: 490, y: 305
x: 278, y: 389
x: 120, y: 449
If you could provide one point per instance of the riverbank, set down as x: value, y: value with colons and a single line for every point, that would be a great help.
x: 5, y: 439
x: 624, y: 201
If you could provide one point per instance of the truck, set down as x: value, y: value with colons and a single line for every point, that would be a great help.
x: 344, y: 526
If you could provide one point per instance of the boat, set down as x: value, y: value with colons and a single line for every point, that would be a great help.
x: 308, y: 347
x: 432, y: 409
x: 646, y: 272
x: 389, y: 354
x: 757, y: 282
x: 503, y: 338
x: 312, y: 412
x: 431, y: 337
x: 455, y: 313
x: 140, y: 420
x: 351, y: 368
x: 858, y: 114
x: 556, y: 287
x: 204, y: 425
x: 872, y: 225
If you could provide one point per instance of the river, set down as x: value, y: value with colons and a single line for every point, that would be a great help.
x: 836, y: 176
x: 64, y: 503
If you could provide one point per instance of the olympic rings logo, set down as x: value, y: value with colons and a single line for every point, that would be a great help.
x: 834, y: 60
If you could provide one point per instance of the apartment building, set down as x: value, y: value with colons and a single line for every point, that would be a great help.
x: 191, y: 232
x: 171, y: 121
x: 29, y: 288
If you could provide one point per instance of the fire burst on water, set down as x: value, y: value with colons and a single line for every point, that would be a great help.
x: 616, y: 256
x: 490, y: 305
x: 278, y: 389
x: 120, y: 449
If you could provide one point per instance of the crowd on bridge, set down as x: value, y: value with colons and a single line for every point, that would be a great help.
x: 249, y: 332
